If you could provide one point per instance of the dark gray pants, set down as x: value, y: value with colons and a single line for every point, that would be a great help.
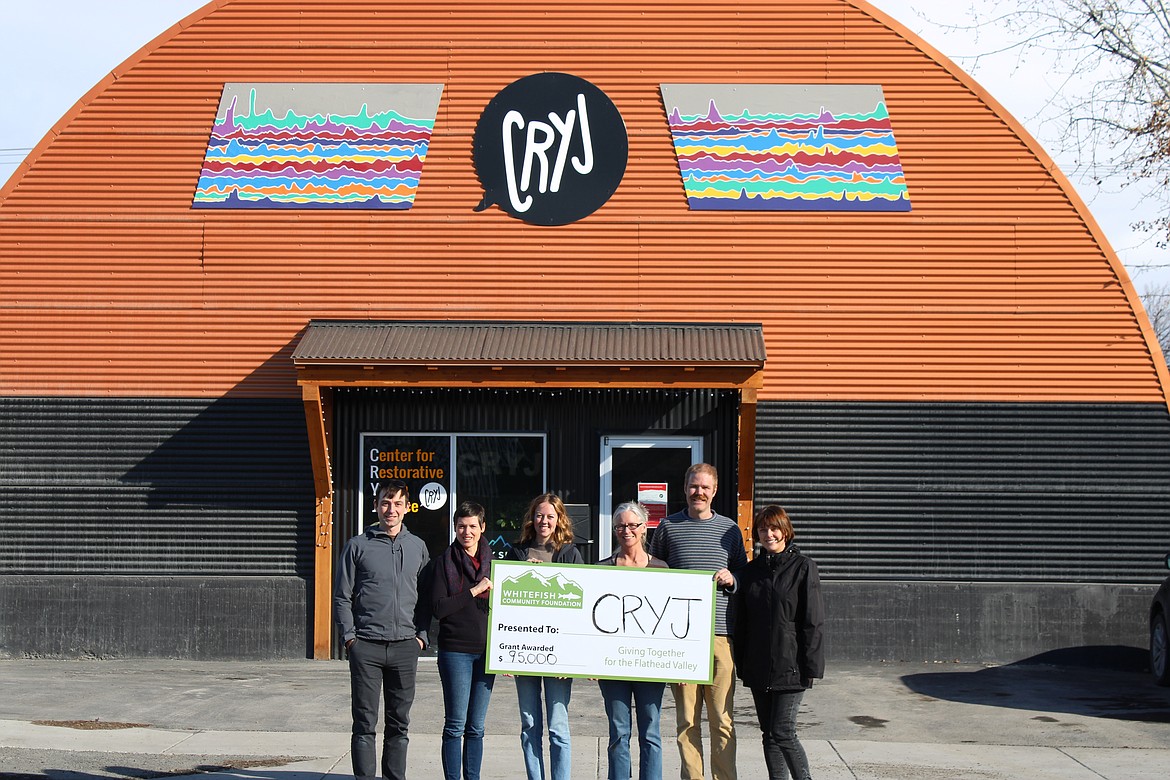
x: 783, y: 752
x: 386, y: 669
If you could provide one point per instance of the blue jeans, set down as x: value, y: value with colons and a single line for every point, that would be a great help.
x: 385, y: 669
x: 467, y: 689
x: 647, y: 698
x: 783, y: 752
x: 556, y: 701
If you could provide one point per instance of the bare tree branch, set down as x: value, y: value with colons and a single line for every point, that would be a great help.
x: 1121, y: 49
x: 1157, y: 303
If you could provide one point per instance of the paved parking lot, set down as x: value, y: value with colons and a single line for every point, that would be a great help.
x: 863, y: 721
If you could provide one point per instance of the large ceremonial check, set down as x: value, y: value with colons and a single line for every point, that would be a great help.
x: 615, y: 622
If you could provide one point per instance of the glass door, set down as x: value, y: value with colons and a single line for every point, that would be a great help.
x: 647, y: 468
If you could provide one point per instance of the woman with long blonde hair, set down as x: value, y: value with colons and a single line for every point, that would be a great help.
x: 545, y: 537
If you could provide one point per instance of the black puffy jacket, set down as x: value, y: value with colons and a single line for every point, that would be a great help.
x: 779, y: 614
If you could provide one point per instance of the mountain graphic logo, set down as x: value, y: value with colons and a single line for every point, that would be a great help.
x: 532, y: 590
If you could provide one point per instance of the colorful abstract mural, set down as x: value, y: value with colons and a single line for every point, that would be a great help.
x: 318, y: 146
x: 779, y: 147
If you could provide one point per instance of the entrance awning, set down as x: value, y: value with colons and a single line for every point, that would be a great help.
x: 411, y: 352
x: 508, y: 354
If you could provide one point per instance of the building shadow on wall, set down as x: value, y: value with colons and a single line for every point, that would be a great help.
x: 224, y: 488
x: 1098, y: 681
x: 216, y: 458
x: 244, y: 451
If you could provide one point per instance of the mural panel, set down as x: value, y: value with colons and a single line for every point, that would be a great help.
x: 324, y: 146
x: 779, y: 147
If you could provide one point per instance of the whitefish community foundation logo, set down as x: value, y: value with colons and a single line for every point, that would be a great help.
x: 531, y: 590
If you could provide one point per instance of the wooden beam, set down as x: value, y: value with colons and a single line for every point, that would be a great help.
x: 713, y: 377
x: 747, y: 465
x: 318, y: 421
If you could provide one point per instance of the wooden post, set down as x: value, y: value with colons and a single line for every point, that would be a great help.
x: 747, y: 464
x: 318, y: 420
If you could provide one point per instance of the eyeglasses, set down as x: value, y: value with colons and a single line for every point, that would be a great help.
x: 627, y: 527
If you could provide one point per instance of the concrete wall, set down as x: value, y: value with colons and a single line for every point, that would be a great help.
x: 204, y: 618
x: 983, y: 622
x: 267, y: 617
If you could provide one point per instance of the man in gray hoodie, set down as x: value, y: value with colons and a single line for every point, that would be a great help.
x: 383, y: 624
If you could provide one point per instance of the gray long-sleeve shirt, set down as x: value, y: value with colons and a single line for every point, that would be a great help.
x: 375, y: 593
x: 706, y: 545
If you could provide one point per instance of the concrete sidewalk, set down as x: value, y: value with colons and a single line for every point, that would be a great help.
x: 901, y: 721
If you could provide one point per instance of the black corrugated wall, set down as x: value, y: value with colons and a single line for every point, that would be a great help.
x: 977, y: 532
x: 166, y: 527
x: 184, y: 528
x: 972, y: 491
x: 155, y: 487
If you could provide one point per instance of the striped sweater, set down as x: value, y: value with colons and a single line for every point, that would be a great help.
x: 706, y: 545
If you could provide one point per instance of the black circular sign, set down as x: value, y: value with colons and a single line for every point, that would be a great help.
x: 550, y: 149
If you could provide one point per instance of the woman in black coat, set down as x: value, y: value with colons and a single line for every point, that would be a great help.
x: 777, y: 638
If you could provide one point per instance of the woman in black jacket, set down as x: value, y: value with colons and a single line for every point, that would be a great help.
x: 777, y: 638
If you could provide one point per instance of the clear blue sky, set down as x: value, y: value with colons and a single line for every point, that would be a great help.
x: 52, y: 52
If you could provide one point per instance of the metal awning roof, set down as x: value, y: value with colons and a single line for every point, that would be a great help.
x: 472, y: 342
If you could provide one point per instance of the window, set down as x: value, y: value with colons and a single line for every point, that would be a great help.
x: 500, y: 471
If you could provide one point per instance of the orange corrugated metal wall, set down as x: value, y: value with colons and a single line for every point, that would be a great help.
x: 996, y: 286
